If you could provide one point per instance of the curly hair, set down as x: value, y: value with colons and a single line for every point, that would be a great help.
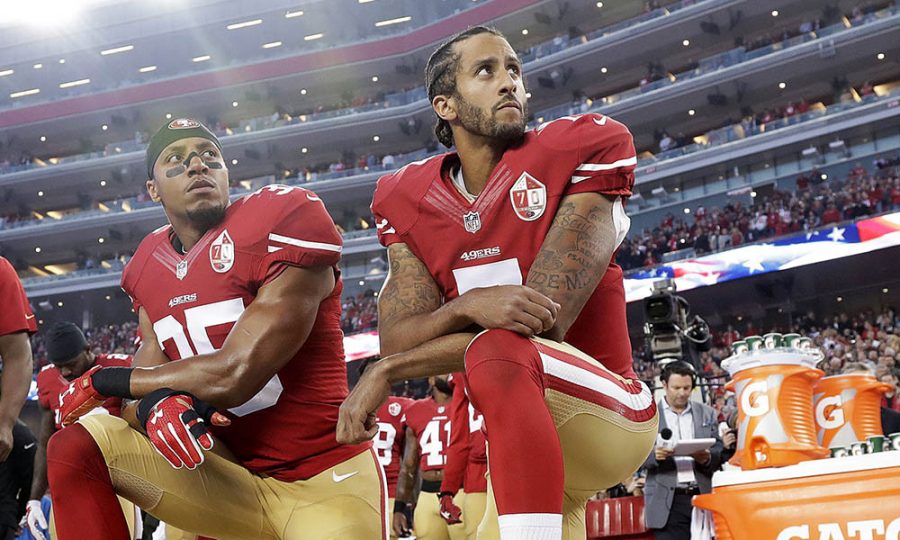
x: 440, y: 74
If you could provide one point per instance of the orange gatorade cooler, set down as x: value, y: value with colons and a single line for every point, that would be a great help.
x: 774, y: 390
x: 856, y: 497
x: 848, y: 408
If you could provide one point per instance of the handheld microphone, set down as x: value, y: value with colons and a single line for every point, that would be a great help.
x: 665, y: 439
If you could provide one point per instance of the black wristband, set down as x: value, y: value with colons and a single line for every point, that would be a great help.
x: 400, y: 506
x: 113, y: 382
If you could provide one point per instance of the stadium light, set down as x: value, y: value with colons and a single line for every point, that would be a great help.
x: 398, y: 20
x: 24, y: 93
x: 245, y: 24
x: 271, y: 45
x: 72, y: 84
x: 292, y: 14
x: 117, y: 50
x: 147, y: 69
x: 6, y: 72
x: 880, y: 56
x: 43, y: 138
x: 43, y: 13
x: 38, y: 66
x: 312, y: 37
x: 203, y: 58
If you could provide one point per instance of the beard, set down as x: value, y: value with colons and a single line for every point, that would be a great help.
x: 206, y: 218
x: 482, y: 123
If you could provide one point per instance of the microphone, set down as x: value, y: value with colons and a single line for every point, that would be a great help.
x: 665, y: 439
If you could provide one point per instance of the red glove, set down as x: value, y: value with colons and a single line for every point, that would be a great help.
x: 78, y: 399
x: 449, y: 511
x: 175, y: 424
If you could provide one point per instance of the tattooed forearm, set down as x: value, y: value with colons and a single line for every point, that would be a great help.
x: 574, y: 255
x: 409, y: 288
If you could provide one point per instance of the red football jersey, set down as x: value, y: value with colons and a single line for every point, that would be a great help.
x: 391, y: 438
x: 16, y: 315
x: 467, y: 454
x: 495, y: 239
x: 50, y: 384
x: 430, y: 423
x: 287, y: 430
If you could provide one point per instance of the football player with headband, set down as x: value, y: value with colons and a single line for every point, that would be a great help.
x: 239, y: 376
x: 521, y: 292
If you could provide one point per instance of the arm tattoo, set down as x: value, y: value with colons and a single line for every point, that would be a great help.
x: 409, y: 288
x: 575, y: 254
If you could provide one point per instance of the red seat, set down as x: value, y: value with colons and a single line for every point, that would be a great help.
x: 622, y: 517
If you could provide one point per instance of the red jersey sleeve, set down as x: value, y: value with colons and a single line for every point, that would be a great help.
x: 387, y: 233
x: 298, y: 231
x: 458, y: 451
x: 604, y: 153
x: 395, y: 204
x: 16, y: 315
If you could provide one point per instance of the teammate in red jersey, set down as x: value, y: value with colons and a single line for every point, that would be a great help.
x: 239, y: 309
x: 70, y: 356
x: 16, y: 324
x: 428, y: 434
x: 466, y: 467
x: 528, y: 225
x: 389, y: 445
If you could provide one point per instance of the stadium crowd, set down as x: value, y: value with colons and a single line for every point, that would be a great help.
x: 817, y: 201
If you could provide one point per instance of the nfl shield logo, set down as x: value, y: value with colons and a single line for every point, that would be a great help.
x: 472, y: 222
x: 181, y: 270
x: 221, y: 253
x: 529, y: 197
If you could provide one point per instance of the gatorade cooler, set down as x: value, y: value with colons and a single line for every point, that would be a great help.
x: 848, y: 408
x: 856, y: 497
x: 774, y: 390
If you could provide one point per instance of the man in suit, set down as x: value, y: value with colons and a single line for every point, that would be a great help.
x: 673, y: 480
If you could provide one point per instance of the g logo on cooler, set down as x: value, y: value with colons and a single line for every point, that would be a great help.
x: 835, y: 416
x: 758, y: 406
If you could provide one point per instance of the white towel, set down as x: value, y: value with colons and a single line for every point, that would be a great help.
x: 702, y: 525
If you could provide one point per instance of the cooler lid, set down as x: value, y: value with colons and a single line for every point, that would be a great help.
x: 817, y: 467
x: 771, y: 357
